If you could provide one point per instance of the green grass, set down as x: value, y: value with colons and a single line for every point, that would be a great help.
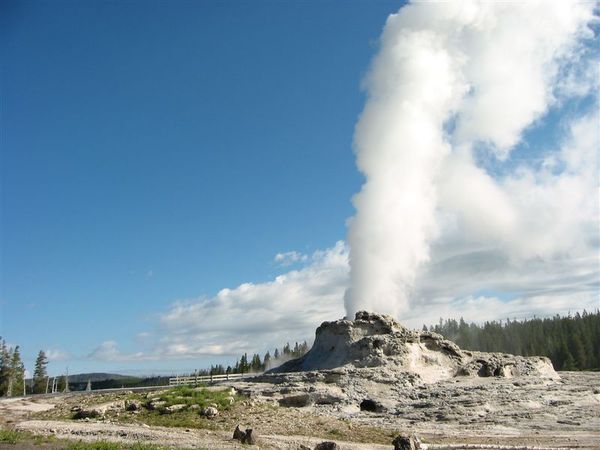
x: 12, y: 436
x: 335, y: 432
x: 196, y: 396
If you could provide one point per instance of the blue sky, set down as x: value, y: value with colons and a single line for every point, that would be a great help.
x: 158, y: 152
x: 162, y: 150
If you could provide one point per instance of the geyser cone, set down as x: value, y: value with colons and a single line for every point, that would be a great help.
x: 376, y: 340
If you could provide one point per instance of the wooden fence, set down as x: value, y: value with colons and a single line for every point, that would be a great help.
x: 194, y: 380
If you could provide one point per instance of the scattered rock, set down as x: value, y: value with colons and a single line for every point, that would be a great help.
x: 296, y: 401
x: 156, y: 404
x: 406, y: 442
x: 132, y: 405
x: 238, y: 433
x: 371, y: 406
x: 250, y: 437
x: 174, y: 408
x: 210, y: 412
x: 86, y: 414
x: 327, y: 445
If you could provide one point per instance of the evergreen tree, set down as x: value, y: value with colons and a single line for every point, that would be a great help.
x: 255, y: 364
x: 243, y: 365
x: 5, y: 368
x: 40, y: 374
x: 17, y: 373
x: 572, y: 342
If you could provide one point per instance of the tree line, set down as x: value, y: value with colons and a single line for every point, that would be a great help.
x: 571, y: 342
x: 255, y: 363
x: 12, y: 372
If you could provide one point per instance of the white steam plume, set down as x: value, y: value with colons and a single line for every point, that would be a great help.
x: 448, y: 76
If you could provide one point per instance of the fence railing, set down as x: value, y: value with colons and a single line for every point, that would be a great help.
x: 178, y: 381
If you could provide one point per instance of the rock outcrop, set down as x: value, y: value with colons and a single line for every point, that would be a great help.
x: 376, y: 340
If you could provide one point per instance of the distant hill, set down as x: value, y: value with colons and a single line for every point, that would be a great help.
x: 101, y: 380
x: 99, y: 376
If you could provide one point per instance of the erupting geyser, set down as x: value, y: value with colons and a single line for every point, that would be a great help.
x: 448, y: 77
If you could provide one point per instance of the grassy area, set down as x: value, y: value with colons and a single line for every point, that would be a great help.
x: 267, y: 418
x: 20, y: 438
x: 199, y: 396
x: 12, y: 436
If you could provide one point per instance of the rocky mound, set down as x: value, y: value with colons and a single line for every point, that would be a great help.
x: 375, y: 340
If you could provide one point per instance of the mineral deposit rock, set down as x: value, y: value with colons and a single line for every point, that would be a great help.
x: 379, y: 341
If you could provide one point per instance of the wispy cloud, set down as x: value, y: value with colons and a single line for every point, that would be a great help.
x: 54, y: 354
x: 108, y: 351
x: 289, y: 258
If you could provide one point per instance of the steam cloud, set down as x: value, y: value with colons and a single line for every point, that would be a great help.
x: 453, y: 81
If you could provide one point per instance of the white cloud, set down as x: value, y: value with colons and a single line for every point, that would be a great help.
x: 54, y: 354
x: 109, y: 351
x: 259, y: 316
x: 289, y: 258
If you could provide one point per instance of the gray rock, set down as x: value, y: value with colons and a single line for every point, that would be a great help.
x: 156, y: 404
x: 174, y: 408
x: 406, y: 442
x: 238, y: 433
x: 296, y: 401
x: 250, y: 437
x: 86, y: 414
x: 210, y: 412
x: 133, y: 405
x: 327, y: 445
x: 371, y: 406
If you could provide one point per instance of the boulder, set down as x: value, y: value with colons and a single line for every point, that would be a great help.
x: 156, y: 404
x: 133, y: 405
x: 406, y: 442
x: 250, y: 437
x: 238, y: 433
x: 86, y: 414
x: 371, y: 406
x: 174, y: 408
x: 296, y: 401
x: 327, y: 445
x: 210, y: 412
